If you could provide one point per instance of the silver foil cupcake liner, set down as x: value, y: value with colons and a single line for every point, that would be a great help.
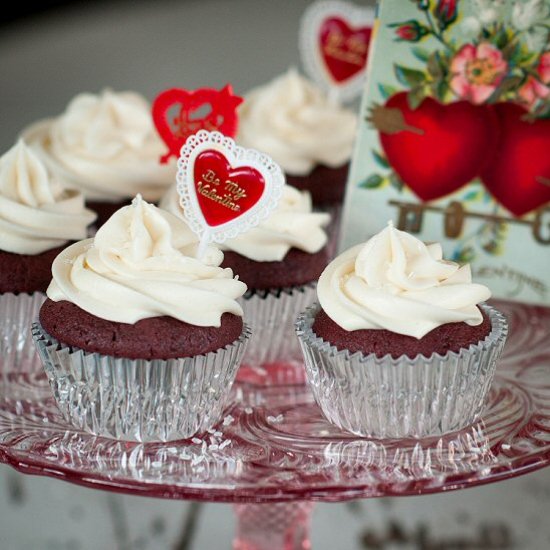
x: 137, y: 399
x: 273, y: 355
x: 17, y: 312
x: 398, y: 398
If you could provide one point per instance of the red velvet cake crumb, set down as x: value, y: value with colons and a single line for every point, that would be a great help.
x: 326, y: 185
x: 27, y: 272
x: 449, y: 337
x: 154, y: 338
x: 297, y: 268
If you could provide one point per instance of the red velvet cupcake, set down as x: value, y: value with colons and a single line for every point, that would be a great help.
x: 38, y: 217
x: 107, y: 147
x: 308, y: 135
x: 398, y: 346
x: 280, y: 261
x: 140, y: 340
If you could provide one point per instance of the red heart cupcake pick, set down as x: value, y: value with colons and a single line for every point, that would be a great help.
x: 343, y: 49
x: 178, y: 114
x: 225, y: 189
x: 224, y: 192
x: 334, y: 42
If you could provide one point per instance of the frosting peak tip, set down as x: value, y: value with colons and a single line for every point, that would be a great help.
x: 137, y: 200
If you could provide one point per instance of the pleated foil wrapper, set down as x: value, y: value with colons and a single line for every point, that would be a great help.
x: 137, y: 399
x: 390, y: 398
x: 273, y: 355
x: 17, y: 312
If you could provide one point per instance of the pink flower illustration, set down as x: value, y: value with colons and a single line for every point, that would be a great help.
x: 536, y: 88
x: 477, y: 71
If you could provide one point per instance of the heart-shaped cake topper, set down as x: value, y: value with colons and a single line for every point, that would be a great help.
x: 225, y: 189
x: 334, y: 43
x: 179, y: 113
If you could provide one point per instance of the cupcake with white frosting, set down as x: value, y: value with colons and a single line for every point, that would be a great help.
x: 107, y: 147
x: 309, y: 136
x: 38, y: 217
x: 399, y: 345
x: 280, y: 261
x: 140, y: 339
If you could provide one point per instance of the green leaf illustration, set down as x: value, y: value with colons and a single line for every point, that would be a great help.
x: 524, y: 56
x: 511, y: 51
x: 386, y: 90
x: 492, y: 237
x: 435, y: 66
x: 439, y: 89
x: 372, y: 182
x: 491, y: 247
x: 422, y: 54
x: 396, y: 182
x: 501, y: 38
x: 380, y: 159
x: 472, y: 195
x: 409, y: 77
x: 464, y: 255
x: 416, y: 96
x: 509, y: 84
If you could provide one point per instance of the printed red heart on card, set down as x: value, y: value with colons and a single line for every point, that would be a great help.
x: 436, y: 149
x: 518, y: 175
x: 343, y: 48
x: 225, y: 189
x: 334, y: 43
x: 179, y: 113
x: 223, y: 192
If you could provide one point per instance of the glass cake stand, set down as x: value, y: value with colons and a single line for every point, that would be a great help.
x: 273, y: 454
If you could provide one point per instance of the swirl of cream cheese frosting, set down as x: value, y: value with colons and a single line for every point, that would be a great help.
x: 142, y: 263
x: 296, y: 124
x: 396, y: 282
x: 36, y: 212
x: 291, y: 225
x: 106, y: 146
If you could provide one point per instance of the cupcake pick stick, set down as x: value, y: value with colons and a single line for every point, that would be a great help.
x: 334, y: 43
x: 225, y: 189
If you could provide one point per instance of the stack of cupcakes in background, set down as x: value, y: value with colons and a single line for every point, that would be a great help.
x: 38, y: 218
x: 140, y: 339
x: 309, y: 136
x: 107, y: 147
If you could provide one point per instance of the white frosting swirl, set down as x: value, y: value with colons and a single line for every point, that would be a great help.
x: 142, y: 264
x: 398, y: 283
x: 36, y: 213
x: 105, y: 145
x: 294, y: 122
x: 291, y: 225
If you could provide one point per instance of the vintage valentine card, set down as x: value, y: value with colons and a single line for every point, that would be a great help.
x: 454, y: 141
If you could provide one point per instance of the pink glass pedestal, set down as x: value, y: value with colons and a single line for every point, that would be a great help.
x: 282, y: 525
x: 273, y: 454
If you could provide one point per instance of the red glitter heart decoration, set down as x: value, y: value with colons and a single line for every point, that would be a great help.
x: 343, y: 48
x: 175, y: 129
x: 225, y: 193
